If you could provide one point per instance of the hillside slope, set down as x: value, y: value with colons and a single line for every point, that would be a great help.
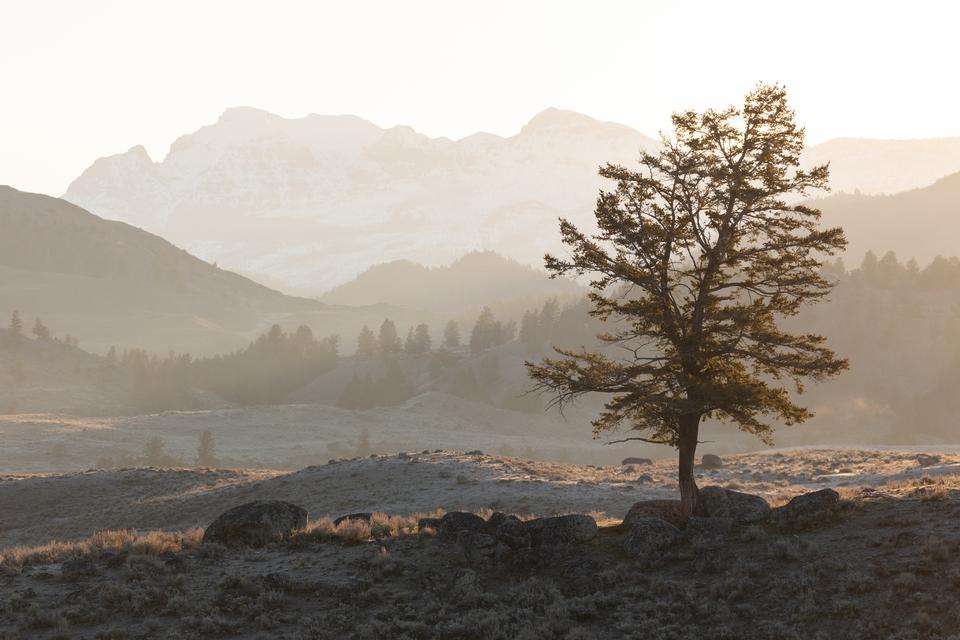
x: 453, y: 289
x: 108, y: 283
x: 921, y: 223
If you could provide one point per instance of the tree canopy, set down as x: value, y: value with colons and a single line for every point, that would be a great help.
x: 698, y: 254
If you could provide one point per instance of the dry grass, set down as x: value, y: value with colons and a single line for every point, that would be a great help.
x: 151, y: 543
x: 380, y: 526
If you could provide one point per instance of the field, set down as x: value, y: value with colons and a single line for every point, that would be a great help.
x: 885, y: 569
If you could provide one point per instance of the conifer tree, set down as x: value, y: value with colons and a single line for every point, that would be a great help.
x: 700, y: 253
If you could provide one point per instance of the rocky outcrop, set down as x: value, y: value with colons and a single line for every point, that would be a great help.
x: 256, y: 524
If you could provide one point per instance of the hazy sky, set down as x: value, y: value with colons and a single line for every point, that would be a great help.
x: 92, y: 78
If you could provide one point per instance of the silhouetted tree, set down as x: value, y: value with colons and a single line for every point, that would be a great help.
x: 388, y: 341
x: 712, y: 254
x: 366, y: 342
x: 155, y: 454
x: 489, y: 332
x: 451, y: 335
x: 418, y: 340
x: 40, y: 330
x: 16, y: 324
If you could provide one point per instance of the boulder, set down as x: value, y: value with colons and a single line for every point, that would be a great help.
x: 711, y: 461
x: 480, y: 547
x: 513, y: 533
x: 363, y: 517
x: 256, y: 524
x: 636, y: 461
x: 649, y: 537
x: 741, y: 508
x: 498, y: 518
x: 454, y: 522
x: 560, y: 530
x: 809, y: 509
x: 668, y: 510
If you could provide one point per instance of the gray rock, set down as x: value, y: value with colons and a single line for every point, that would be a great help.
x: 711, y: 461
x: 498, y: 518
x: 809, y: 509
x: 741, y: 508
x: 454, y: 522
x: 636, y: 461
x: 513, y: 533
x: 364, y: 517
x: 649, y: 537
x: 256, y: 524
x: 560, y: 530
x: 480, y: 547
x: 668, y: 510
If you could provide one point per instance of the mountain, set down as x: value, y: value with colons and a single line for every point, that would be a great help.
x: 109, y: 283
x: 920, y: 223
x: 310, y: 203
x: 455, y: 289
x: 878, y: 167
x: 315, y: 201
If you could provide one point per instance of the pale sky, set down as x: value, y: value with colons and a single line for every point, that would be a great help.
x: 92, y: 78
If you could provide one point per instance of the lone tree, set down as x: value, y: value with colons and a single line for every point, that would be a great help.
x: 699, y: 254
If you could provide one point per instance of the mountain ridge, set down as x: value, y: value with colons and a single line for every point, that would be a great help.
x: 312, y: 202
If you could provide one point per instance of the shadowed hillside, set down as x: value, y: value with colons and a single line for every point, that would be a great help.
x: 455, y: 289
x: 922, y: 223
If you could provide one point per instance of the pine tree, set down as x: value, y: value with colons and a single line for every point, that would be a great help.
x: 418, y: 340
x: 451, y: 335
x: 16, y: 324
x: 388, y: 341
x: 714, y: 244
x: 366, y: 342
x: 40, y: 330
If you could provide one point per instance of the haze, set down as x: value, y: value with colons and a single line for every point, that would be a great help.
x: 106, y: 76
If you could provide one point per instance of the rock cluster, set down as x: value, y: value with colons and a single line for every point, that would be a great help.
x: 502, y: 535
x: 655, y: 526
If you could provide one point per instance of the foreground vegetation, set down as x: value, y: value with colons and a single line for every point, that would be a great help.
x: 884, y: 569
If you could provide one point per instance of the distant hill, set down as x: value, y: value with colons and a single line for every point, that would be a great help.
x: 108, y: 283
x: 310, y: 203
x: 921, y: 223
x: 466, y: 284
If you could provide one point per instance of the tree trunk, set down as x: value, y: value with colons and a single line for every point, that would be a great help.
x: 687, y: 445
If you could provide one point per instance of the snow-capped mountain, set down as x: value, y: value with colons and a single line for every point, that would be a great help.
x: 309, y: 203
